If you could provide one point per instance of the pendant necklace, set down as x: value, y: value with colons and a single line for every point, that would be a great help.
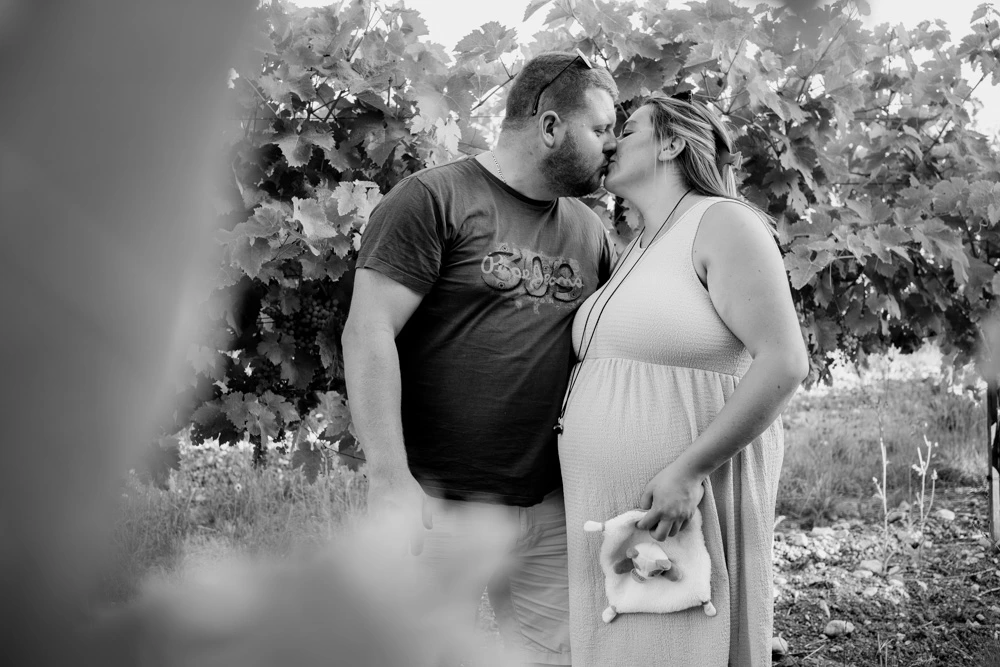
x: 583, y: 354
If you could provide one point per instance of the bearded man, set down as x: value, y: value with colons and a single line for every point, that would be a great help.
x: 458, y: 345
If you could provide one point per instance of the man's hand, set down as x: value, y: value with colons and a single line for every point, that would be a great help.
x: 397, y: 493
x: 671, y: 498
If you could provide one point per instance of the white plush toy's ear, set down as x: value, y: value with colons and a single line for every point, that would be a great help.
x: 593, y: 527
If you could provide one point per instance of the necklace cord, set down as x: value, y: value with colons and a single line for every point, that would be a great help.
x: 586, y: 322
x: 496, y: 163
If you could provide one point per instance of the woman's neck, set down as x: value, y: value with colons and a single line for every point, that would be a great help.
x: 655, y: 204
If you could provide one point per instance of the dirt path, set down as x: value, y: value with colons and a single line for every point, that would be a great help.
x: 938, y: 607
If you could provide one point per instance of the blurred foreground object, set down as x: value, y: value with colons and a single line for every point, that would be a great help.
x: 110, y: 138
x: 110, y: 114
x: 362, y: 602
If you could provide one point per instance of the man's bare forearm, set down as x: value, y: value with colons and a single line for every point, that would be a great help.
x: 371, y: 367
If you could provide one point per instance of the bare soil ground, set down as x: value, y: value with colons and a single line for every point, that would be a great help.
x: 940, y: 606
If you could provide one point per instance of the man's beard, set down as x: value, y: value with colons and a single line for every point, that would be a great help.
x: 569, y: 172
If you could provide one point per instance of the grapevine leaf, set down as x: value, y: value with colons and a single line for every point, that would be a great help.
x: 358, y: 197
x: 383, y: 141
x: 332, y: 409
x: 274, y: 88
x: 299, y: 371
x: 328, y: 349
x: 630, y: 46
x: 431, y: 103
x: 235, y: 409
x: 296, y: 148
x: 250, y: 255
x: 824, y: 334
x: 862, y: 208
x: 802, y: 158
x: 802, y: 269
x: 781, y: 181
x: 342, y: 245
x: 762, y: 95
x: 645, y: 75
x: 893, y: 239
x: 448, y: 134
x: 857, y: 247
x: 824, y: 293
x: 248, y: 414
x: 208, y: 414
x: 533, y: 6
x: 317, y: 268
x: 947, y: 194
x: 563, y: 9
x: 278, y: 348
x: 281, y: 407
x: 798, y: 201
x: 266, y: 222
x: 984, y: 200
x: 411, y: 24
x: 310, y: 214
x: 488, y: 42
x: 700, y: 56
x: 980, y: 275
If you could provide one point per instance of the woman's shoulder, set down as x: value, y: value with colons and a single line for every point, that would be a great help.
x: 733, y: 209
x: 732, y: 232
x: 734, y: 219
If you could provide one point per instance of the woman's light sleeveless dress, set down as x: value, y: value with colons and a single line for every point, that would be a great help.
x: 659, y: 368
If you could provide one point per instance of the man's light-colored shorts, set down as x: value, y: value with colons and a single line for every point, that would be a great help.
x: 528, y: 588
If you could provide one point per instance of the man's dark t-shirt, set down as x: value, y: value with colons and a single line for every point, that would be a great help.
x: 486, y: 356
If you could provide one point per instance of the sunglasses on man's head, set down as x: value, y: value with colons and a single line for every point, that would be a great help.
x: 538, y: 96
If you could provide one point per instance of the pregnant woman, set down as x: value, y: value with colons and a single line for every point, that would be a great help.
x: 686, y: 358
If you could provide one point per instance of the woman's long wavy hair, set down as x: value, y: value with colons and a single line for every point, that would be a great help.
x: 706, y: 163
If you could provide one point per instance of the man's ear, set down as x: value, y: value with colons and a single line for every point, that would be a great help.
x: 551, y: 127
x: 671, y: 148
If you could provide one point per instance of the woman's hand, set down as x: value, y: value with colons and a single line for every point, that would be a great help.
x: 671, y: 498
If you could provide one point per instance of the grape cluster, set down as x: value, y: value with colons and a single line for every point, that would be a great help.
x: 314, y: 315
x: 267, y: 376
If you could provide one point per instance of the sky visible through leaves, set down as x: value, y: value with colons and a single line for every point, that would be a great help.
x: 450, y: 20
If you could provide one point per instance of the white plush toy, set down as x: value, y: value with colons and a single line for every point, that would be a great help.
x: 643, y: 575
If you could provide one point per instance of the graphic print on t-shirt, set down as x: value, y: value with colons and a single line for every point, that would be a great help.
x: 550, y: 280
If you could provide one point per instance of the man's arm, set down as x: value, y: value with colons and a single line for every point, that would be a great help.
x: 379, y: 309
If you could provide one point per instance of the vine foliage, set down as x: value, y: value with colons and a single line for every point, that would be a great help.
x: 859, y: 143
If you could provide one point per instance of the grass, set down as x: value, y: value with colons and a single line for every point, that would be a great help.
x: 832, y: 437
x: 218, y: 504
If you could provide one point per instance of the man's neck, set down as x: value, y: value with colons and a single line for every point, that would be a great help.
x: 520, y: 168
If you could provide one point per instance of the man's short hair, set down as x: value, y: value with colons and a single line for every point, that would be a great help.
x: 566, y: 79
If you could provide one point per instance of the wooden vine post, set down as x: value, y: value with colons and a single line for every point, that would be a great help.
x: 993, y: 449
